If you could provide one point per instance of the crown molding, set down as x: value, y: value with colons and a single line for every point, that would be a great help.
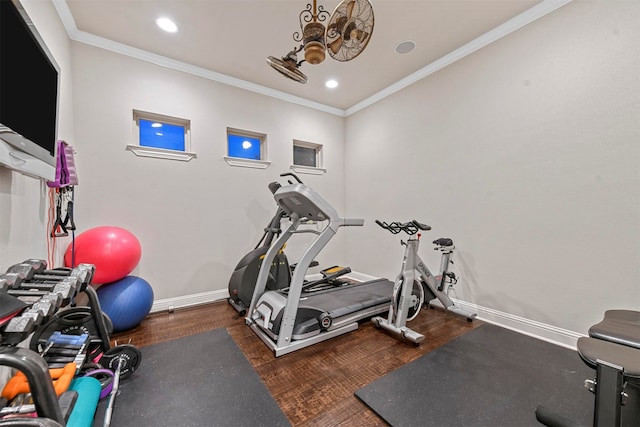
x: 508, y: 27
x: 536, y: 12
x: 100, y: 42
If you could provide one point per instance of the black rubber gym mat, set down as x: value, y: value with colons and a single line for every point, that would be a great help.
x: 490, y: 376
x: 201, y: 380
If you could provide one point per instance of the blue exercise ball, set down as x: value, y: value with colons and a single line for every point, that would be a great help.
x: 127, y: 301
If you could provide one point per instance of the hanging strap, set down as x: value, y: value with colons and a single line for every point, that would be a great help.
x: 69, y: 224
x: 62, y: 226
x: 59, y: 229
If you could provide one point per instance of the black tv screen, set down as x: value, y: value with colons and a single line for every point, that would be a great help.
x: 28, y: 85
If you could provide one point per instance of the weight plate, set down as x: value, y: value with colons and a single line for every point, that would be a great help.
x: 128, y: 354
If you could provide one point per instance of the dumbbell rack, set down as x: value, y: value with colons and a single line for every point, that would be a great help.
x: 44, y: 296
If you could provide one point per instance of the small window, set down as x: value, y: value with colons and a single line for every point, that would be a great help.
x: 307, y: 157
x: 246, y: 149
x: 160, y: 136
x: 304, y: 156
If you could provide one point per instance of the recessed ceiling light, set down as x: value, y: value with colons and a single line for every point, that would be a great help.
x: 405, y: 47
x: 167, y: 24
x: 331, y: 84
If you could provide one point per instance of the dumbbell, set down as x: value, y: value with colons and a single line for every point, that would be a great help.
x: 17, y: 330
x: 65, y: 289
x: 41, y: 310
x: 35, y: 314
x: 65, y: 282
x: 10, y: 281
x: 27, y: 269
x: 35, y: 269
x: 20, y: 327
x: 38, y: 264
x: 83, y: 272
x: 19, y: 273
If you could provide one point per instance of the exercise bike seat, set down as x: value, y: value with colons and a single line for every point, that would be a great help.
x: 593, y: 350
x: 620, y: 327
x: 443, y: 241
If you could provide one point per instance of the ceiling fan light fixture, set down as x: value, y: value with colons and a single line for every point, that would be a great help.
x: 345, y: 37
x: 314, y: 52
x: 313, y: 39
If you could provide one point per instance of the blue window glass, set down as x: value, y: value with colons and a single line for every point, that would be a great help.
x: 161, y: 135
x: 244, y: 147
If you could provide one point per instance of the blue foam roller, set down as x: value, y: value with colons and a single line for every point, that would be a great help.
x: 88, y: 389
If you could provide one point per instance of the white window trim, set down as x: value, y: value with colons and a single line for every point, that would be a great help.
x: 308, y: 170
x: 318, y: 170
x: 161, y: 153
x: 247, y: 163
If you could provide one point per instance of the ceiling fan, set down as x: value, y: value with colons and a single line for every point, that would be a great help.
x: 347, y: 34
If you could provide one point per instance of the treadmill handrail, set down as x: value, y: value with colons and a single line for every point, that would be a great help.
x: 263, y: 273
x: 307, y: 204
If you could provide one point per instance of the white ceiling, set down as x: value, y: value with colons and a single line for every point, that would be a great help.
x: 234, y: 37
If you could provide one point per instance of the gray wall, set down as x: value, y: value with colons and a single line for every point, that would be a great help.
x: 526, y: 153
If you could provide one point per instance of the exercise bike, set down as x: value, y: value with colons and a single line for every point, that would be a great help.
x: 416, y: 285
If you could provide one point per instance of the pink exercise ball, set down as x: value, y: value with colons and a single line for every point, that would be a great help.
x: 114, y: 251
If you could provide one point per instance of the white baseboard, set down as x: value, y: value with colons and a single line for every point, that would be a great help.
x: 552, y: 334
x: 169, y: 304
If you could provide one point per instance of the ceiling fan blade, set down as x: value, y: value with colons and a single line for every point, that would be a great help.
x: 359, y: 35
x: 334, y: 46
x: 350, y: 7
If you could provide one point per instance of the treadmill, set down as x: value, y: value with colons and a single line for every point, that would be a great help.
x: 287, y: 320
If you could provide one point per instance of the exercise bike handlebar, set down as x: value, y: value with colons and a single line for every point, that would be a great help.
x: 411, y: 227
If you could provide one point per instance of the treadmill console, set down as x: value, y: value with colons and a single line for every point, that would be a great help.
x: 304, y: 202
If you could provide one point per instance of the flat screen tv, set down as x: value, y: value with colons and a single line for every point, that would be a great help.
x: 29, y: 78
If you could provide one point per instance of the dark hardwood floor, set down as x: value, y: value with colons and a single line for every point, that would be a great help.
x: 314, y: 386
